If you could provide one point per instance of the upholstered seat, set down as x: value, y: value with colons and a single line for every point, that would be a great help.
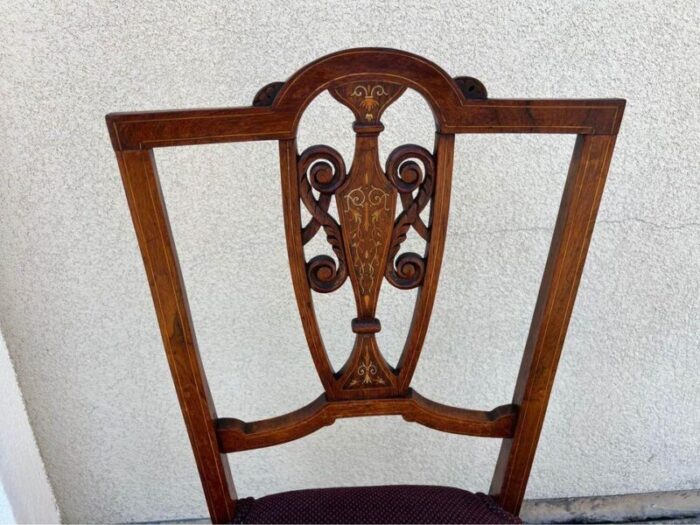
x: 387, y: 504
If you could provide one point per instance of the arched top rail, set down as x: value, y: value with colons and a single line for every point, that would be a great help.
x: 277, y: 107
x: 432, y: 82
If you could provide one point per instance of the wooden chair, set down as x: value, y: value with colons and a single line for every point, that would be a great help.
x: 366, y: 239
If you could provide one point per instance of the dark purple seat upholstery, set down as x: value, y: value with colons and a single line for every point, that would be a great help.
x: 386, y: 504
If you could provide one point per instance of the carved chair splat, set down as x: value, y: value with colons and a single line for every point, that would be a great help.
x: 377, y: 206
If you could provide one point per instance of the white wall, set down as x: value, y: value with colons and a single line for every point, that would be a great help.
x: 78, y: 317
x: 25, y: 491
x: 6, y: 514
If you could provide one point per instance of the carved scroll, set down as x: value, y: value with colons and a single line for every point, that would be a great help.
x: 407, y: 270
x: 321, y: 168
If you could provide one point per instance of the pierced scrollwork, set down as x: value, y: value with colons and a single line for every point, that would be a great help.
x: 407, y: 270
x: 321, y: 168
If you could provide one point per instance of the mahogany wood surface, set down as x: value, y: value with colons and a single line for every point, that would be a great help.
x: 236, y: 435
x: 377, y: 206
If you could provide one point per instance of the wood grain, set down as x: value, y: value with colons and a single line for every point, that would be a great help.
x: 453, y: 112
x: 236, y: 435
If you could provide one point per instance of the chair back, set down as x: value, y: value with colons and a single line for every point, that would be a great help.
x: 376, y: 206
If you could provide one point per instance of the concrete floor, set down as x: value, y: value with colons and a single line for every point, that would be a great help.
x: 682, y: 506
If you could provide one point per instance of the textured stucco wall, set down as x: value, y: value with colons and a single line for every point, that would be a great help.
x: 78, y: 317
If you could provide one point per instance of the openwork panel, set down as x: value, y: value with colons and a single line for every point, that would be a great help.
x: 367, y: 235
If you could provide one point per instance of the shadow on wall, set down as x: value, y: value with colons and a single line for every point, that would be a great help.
x: 22, y: 471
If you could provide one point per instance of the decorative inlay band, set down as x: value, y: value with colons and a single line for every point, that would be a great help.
x: 368, y: 100
x: 370, y: 96
x: 366, y: 211
x: 367, y: 372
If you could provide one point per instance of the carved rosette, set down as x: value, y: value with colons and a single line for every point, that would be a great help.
x: 266, y: 95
